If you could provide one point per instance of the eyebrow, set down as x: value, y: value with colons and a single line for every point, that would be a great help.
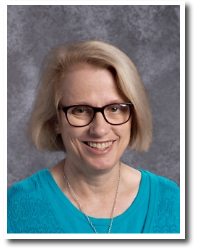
x: 89, y: 104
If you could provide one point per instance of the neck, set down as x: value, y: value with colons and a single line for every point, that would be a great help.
x: 91, y: 182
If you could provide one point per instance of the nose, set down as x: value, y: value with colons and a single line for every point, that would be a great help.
x: 99, y: 127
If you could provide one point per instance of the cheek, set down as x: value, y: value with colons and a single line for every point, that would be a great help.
x: 70, y: 142
x: 70, y: 136
x: 127, y: 137
x: 124, y: 133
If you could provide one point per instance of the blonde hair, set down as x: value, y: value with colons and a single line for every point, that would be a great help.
x: 99, y: 54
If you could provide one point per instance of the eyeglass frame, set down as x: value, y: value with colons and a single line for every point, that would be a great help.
x: 95, y: 110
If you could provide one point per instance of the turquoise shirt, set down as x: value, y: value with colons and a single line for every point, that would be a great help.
x: 37, y: 205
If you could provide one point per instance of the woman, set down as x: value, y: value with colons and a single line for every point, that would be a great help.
x: 91, y: 104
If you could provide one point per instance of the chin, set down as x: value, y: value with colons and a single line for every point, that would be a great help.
x: 102, y: 163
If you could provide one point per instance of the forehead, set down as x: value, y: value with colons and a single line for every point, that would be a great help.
x: 89, y: 84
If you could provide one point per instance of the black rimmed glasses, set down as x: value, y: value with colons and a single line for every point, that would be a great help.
x: 83, y: 115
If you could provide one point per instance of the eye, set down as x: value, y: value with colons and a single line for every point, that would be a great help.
x: 114, y: 109
x: 117, y: 108
x: 81, y: 110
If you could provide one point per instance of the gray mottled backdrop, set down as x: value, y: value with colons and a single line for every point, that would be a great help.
x: 149, y: 35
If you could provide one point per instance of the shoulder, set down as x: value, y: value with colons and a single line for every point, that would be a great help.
x: 28, y: 186
x: 161, y: 183
x: 26, y: 193
x: 164, y: 205
x: 27, y: 204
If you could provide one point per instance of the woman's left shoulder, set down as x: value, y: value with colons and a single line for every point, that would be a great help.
x: 162, y: 182
x: 164, y: 205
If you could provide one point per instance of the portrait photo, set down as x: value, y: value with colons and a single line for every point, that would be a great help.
x: 93, y: 121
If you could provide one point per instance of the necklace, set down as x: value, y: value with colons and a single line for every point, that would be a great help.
x: 81, y: 208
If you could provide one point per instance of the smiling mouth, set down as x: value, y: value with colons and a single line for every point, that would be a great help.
x: 98, y: 145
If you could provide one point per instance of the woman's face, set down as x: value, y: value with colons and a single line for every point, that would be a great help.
x: 98, y: 145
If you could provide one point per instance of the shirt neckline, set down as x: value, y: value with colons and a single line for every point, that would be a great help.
x: 135, y: 206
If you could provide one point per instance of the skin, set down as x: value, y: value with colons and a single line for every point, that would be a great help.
x: 94, y: 174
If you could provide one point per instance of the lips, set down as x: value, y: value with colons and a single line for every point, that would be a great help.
x: 98, y: 145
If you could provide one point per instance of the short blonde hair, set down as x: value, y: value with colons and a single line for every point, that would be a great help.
x: 99, y: 54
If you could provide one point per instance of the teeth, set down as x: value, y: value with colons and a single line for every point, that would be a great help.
x: 100, y: 146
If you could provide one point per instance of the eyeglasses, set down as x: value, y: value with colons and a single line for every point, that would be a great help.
x: 83, y: 115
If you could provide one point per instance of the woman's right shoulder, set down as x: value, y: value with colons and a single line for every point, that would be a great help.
x: 28, y: 186
x: 28, y: 205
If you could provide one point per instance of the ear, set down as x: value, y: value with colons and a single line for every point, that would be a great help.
x: 56, y: 126
x: 57, y: 129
